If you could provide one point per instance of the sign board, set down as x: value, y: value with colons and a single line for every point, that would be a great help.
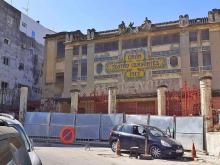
x: 134, y: 64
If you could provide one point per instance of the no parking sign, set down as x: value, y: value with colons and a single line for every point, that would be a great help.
x: 67, y: 135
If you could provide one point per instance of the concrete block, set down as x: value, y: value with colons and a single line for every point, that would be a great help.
x: 213, y: 143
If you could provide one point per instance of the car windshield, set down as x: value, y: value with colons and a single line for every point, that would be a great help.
x: 23, y: 135
x: 156, y: 132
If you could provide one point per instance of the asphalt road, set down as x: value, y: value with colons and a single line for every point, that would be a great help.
x: 75, y: 155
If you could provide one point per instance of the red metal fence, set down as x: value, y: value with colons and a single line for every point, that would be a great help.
x: 137, y: 107
x: 94, y: 103
x: 184, y: 102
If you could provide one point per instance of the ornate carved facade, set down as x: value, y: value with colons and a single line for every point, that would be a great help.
x: 135, y: 59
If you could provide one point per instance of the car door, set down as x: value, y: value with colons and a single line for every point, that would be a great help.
x: 125, y: 136
x: 138, y: 137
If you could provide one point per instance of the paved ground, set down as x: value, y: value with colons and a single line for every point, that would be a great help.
x: 74, y: 155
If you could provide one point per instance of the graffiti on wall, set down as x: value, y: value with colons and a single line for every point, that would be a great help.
x: 134, y: 63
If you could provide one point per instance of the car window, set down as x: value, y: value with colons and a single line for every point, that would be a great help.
x: 156, y: 132
x: 23, y: 135
x: 127, y: 129
x: 6, y: 156
x: 138, y: 130
x: 19, y: 152
x: 118, y: 128
x: 12, y: 148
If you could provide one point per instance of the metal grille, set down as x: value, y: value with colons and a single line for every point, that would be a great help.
x: 184, y: 102
x: 137, y: 107
x: 94, y: 102
x: 9, y: 101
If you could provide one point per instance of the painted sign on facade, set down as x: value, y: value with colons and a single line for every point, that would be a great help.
x: 134, y: 64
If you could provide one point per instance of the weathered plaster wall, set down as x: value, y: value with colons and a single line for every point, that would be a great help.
x: 20, y: 50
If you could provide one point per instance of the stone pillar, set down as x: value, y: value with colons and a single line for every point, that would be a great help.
x: 161, y: 100
x: 112, y: 100
x: 74, y: 94
x: 206, y: 96
x: 23, y: 103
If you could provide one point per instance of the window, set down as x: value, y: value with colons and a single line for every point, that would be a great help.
x: 193, y: 36
x: 76, y: 50
x: 31, y: 52
x: 75, y: 70
x: 60, y: 49
x: 21, y: 66
x: 206, y: 58
x: 84, y: 50
x: 35, y: 59
x: 33, y: 34
x: 6, y: 41
x: 173, y: 61
x: 139, y: 130
x: 166, y: 53
x: 32, y: 44
x: 134, y: 43
x: 205, y: 34
x: 4, y: 85
x: 127, y: 129
x: 24, y: 24
x: 165, y: 39
x: 59, y: 77
x: 5, y: 60
x: 83, y: 69
x: 10, y: 20
x: 23, y: 135
x: 194, y: 59
x: 99, y: 68
x: 156, y: 132
x: 106, y: 46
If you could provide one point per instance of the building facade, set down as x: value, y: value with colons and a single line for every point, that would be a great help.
x: 21, y: 52
x: 134, y: 60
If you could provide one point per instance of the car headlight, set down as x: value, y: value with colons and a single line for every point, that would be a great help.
x: 165, y: 143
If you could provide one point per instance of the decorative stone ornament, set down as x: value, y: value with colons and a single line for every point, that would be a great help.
x: 214, y: 15
x: 91, y: 34
x: 146, y: 25
x: 122, y: 27
x: 183, y: 20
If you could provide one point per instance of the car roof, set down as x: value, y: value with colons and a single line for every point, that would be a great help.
x: 135, y: 124
x: 9, y: 119
x: 7, y: 132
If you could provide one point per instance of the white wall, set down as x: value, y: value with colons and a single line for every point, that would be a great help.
x: 31, y: 25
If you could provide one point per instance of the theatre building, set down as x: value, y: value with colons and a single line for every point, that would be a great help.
x: 130, y: 69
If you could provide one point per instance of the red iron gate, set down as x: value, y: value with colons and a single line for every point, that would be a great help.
x: 94, y: 103
x: 137, y: 107
x: 184, y: 102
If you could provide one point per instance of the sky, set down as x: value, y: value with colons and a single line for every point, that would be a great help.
x: 70, y: 15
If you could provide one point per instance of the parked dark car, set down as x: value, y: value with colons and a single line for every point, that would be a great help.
x: 160, y: 145
x: 12, y: 150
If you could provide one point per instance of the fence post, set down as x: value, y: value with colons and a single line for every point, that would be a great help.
x: 161, y: 100
x: 23, y: 103
x: 100, y: 125
x: 112, y: 100
x: 148, y: 119
x: 48, y: 137
x: 74, y: 100
x: 206, y: 95
x: 174, y: 127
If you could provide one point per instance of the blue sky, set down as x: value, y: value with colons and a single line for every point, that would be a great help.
x: 70, y: 15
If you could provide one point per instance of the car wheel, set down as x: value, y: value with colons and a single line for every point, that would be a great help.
x: 155, y: 152
x: 114, y: 146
